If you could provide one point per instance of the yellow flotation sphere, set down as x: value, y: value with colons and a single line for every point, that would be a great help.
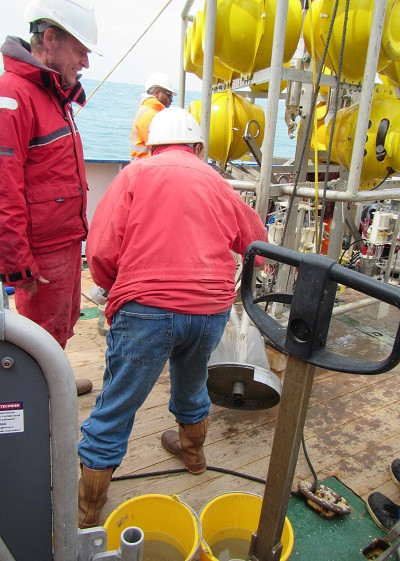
x: 293, y: 31
x: 312, y: 28
x: 196, y: 46
x: 357, y: 36
x: 230, y: 113
x: 321, y: 112
x: 187, y: 58
x: 194, y: 56
x: 390, y: 75
x: 382, y: 146
x: 244, y: 33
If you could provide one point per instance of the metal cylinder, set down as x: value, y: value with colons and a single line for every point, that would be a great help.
x: 131, y: 547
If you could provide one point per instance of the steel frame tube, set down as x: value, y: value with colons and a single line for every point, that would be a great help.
x: 368, y: 85
x: 131, y: 544
x: 208, y: 68
x: 182, y: 74
x: 343, y: 308
x: 343, y: 196
x: 271, y: 115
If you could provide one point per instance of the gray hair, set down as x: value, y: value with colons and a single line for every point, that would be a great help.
x: 37, y: 37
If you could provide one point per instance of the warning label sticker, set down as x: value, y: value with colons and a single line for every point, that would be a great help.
x: 11, y: 417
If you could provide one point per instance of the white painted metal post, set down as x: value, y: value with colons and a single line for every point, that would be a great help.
x: 182, y: 73
x: 371, y: 63
x: 272, y: 108
x: 208, y: 67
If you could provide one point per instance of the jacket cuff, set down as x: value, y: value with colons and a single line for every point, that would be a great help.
x: 15, y: 278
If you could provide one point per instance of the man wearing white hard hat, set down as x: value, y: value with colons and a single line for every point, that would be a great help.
x: 43, y: 183
x: 158, y: 96
x: 161, y: 242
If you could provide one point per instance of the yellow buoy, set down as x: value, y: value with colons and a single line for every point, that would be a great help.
x: 194, y: 55
x: 293, y: 31
x: 230, y: 114
x: 357, y: 35
x: 245, y: 29
x: 321, y: 129
x: 382, y: 144
x: 187, y: 56
x: 390, y: 75
x: 314, y: 27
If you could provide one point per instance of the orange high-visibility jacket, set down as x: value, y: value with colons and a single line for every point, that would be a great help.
x: 140, y: 129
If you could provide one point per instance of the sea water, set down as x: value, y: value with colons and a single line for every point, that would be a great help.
x: 105, y: 122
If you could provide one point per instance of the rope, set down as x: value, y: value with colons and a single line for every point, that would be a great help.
x: 336, y: 105
x: 213, y: 468
x: 126, y: 54
x: 314, y: 72
x: 306, y: 139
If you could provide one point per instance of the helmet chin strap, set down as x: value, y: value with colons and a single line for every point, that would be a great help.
x: 38, y: 26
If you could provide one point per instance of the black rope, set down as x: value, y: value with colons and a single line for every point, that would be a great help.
x: 316, y: 483
x: 306, y: 140
x: 390, y: 172
x: 333, y: 125
x: 349, y: 246
x: 184, y: 470
x: 219, y: 470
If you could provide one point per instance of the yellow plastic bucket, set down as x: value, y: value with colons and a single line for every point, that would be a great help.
x: 235, y: 515
x: 163, y: 518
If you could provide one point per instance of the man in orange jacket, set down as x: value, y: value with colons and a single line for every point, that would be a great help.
x: 158, y: 96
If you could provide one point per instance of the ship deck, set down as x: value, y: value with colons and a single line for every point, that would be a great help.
x: 352, y: 430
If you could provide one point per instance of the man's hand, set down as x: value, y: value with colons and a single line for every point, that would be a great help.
x: 31, y: 286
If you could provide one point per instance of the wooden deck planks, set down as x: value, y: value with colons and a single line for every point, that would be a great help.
x: 352, y: 428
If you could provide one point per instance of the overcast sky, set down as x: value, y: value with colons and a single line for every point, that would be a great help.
x: 120, y: 24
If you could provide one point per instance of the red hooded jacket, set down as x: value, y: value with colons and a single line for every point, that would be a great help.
x: 43, y: 184
x: 164, y: 233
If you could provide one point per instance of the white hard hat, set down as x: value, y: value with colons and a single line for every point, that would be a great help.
x: 174, y: 126
x: 77, y: 17
x: 161, y: 80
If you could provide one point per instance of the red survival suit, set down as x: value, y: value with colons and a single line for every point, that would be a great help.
x: 43, y: 189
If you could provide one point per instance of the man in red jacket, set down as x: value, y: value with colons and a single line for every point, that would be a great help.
x: 161, y: 242
x: 42, y: 181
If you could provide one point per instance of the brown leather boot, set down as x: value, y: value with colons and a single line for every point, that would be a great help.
x: 92, y: 495
x: 83, y: 386
x: 187, y: 445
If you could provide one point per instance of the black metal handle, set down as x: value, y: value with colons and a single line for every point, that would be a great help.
x: 311, y: 308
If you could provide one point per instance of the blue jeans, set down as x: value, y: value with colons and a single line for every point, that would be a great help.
x: 140, y: 341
